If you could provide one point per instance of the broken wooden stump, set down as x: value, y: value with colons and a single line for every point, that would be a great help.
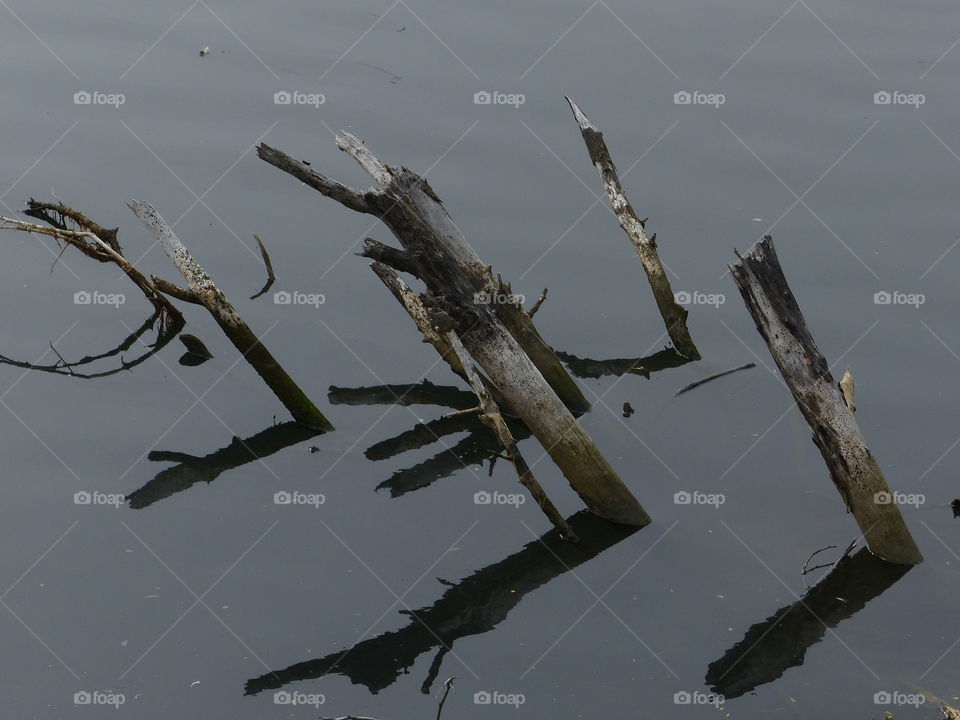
x: 203, y: 291
x: 853, y: 468
x: 416, y: 310
x: 489, y: 415
x: 418, y: 197
x: 435, y: 252
x: 674, y: 315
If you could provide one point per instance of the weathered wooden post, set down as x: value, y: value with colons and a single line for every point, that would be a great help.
x: 674, y: 315
x: 434, y: 252
x: 853, y: 468
x: 203, y: 291
x: 419, y: 197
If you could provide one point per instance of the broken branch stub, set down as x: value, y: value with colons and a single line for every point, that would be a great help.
x: 434, y: 252
x: 853, y: 468
x: 415, y: 196
x: 674, y: 315
x: 202, y: 287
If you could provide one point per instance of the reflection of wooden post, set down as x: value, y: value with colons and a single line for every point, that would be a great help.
x: 475, y: 605
x: 674, y: 315
x: 780, y: 642
x: 852, y: 466
x: 233, y: 326
x: 410, y: 208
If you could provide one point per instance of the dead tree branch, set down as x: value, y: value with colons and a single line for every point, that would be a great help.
x: 233, y: 326
x: 674, y: 315
x: 498, y: 335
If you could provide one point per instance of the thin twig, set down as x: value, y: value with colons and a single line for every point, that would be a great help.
x: 817, y: 552
x: 271, y: 278
x: 447, y: 686
x: 698, y: 383
x: 536, y: 306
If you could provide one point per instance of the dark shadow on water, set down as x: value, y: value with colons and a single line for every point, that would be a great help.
x: 780, y: 642
x: 191, y: 470
x: 587, y: 368
x: 78, y: 368
x: 475, y: 605
x: 477, y: 447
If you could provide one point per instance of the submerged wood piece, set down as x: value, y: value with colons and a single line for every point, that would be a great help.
x: 852, y: 466
x: 491, y: 417
x: 457, y: 287
x: 412, y: 195
x: 674, y: 315
x: 233, y: 326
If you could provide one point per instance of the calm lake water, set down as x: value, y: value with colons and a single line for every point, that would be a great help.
x: 203, y: 597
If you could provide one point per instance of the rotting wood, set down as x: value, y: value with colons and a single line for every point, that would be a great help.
x: 416, y: 310
x: 853, y: 468
x: 491, y: 417
x: 438, y: 255
x: 233, y: 326
x: 416, y: 196
x: 674, y: 315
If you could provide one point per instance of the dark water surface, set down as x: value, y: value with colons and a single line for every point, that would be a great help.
x: 203, y: 599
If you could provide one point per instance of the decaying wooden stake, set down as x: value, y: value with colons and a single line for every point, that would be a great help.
x: 491, y: 417
x: 419, y: 197
x: 853, y: 468
x: 674, y: 315
x: 416, y: 310
x: 435, y: 252
x: 203, y: 290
